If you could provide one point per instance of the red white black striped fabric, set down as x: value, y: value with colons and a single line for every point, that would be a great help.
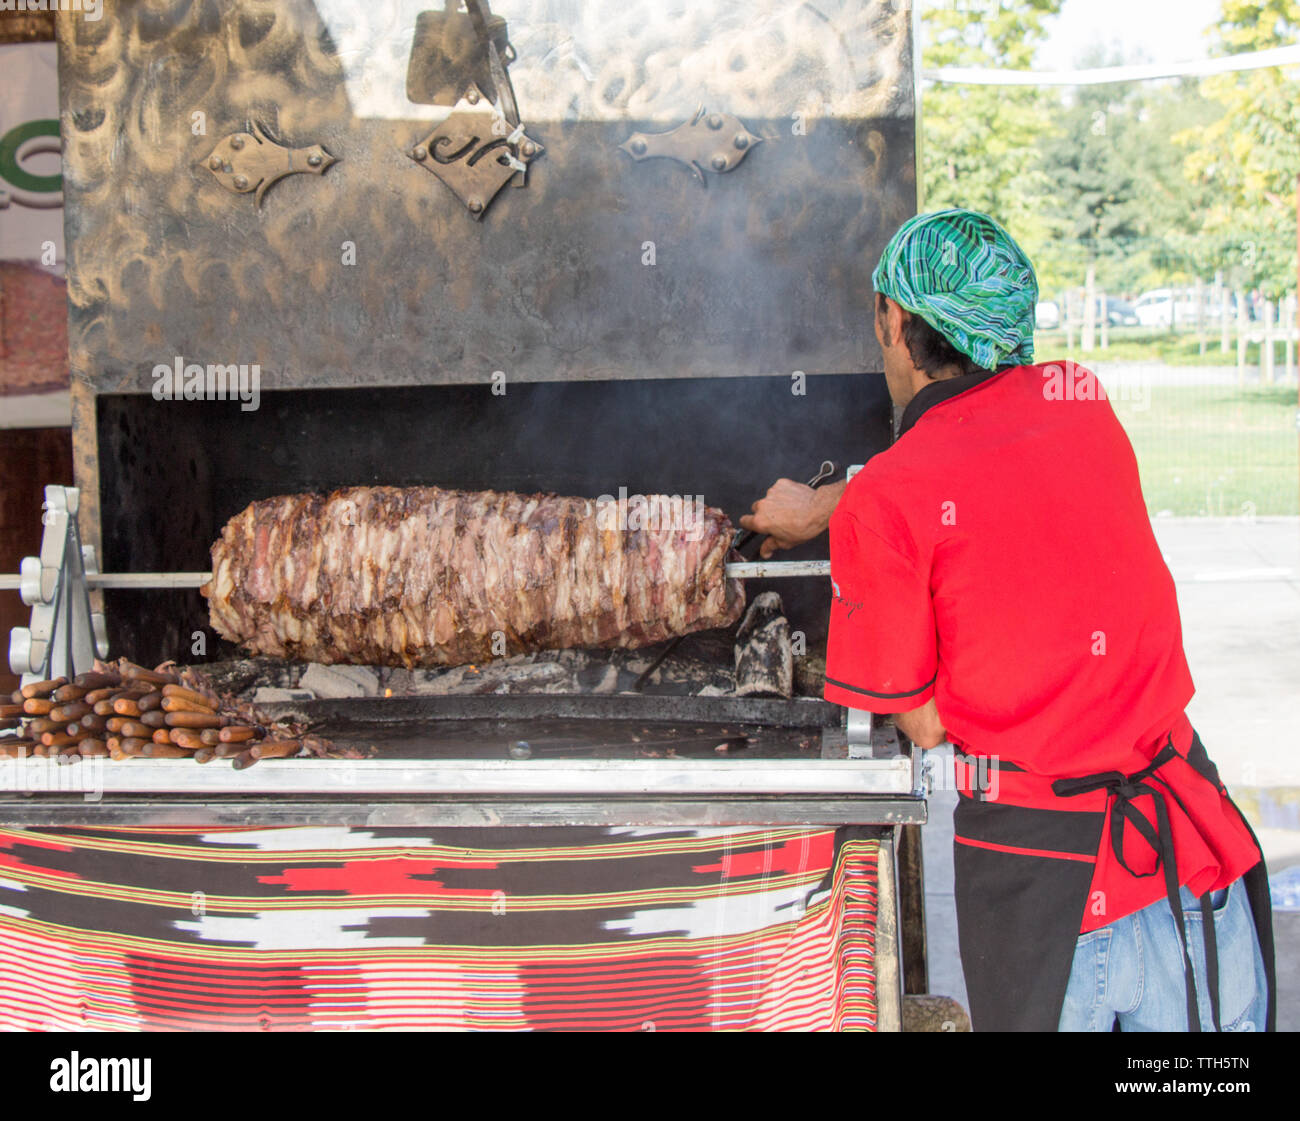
x: 509, y: 929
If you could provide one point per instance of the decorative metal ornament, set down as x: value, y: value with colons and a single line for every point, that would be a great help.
x: 450, y: 49
x: 716, y: 142
x: 476, y: 150
x: 252, y: 161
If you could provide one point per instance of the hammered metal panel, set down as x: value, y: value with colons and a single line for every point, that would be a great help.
x: 374, y: 273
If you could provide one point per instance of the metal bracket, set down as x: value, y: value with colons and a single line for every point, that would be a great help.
x: 475, y: 151
x: 858, y: 723
x: 65, y: 635
x: 717, y: 142
x: 854, y: 739
x: 252, y: 161
x: 863, y: 737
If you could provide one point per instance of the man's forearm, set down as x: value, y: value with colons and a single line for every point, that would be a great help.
x: 828, y: 497
x: 922, y: 725
x: 792, y: 513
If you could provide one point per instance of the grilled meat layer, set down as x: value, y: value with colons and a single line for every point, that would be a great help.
x: 421, y: 576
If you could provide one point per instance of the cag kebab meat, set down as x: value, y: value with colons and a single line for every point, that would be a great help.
x: 422, y: 576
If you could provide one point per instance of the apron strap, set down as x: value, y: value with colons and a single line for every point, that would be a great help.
x: 1211, y: 957
x: 1124, y: 790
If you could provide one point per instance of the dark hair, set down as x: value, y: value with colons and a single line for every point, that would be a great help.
x: 930, y: 351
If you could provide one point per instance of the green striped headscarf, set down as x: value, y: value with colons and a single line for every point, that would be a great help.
x: 965, y: 276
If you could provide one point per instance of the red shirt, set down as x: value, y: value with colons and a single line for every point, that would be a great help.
x: 999, y: 558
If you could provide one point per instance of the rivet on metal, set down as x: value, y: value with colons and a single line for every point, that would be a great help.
x: 693, y: 144
x: 240, y: 166
x: 453, y: 151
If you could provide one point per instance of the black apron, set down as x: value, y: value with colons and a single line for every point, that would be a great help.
x: 1019, y: 912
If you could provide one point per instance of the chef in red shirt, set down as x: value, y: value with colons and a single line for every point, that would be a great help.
x: 996, y: 583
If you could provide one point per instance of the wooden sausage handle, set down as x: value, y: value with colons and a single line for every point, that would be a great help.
x: 42, y: 688
x: 165, y: 751
x: 151, y: 677
x: 150, y: 701
x: 193, y: 720
x: 96, y: 680
x: 183, y: 694
x: 183, y: 704
x: 276, y: 749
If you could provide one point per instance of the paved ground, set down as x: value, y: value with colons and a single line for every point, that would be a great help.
x: 1239, y: 592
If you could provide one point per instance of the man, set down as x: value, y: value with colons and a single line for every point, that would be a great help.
x: 996, y: 583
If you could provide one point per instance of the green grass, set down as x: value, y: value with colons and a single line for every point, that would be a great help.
x: 1216, y: 450
x: 1145, y: 344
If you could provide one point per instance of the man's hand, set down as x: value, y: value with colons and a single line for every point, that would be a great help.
x: 922, y: 725
x: 792, y: 513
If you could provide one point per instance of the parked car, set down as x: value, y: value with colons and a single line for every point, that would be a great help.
x: 1120, y: 313
x: 1047, y: 315
x: 1164, y: 307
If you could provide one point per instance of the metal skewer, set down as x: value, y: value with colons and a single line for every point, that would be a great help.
x: 13, y: 583
x: 66, y: 632
x: 737, y: 570
x: 750, y: 570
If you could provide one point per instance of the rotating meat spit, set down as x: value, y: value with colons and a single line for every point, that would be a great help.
x: 856, y: 757
x: 66, y: 635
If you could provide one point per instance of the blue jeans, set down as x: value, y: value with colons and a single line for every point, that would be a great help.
x: 1132, y: 970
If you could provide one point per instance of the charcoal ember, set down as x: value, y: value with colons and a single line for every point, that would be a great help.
x: 422, y: 576
x: 810, y: 675
x: 332, y: 682
x: 240, y: 676
x: 561, y: 671
x: 764, y: 663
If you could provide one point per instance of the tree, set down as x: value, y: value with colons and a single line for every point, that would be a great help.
x: 979, y: 144
x: 1094, y: 180
x: 1249, y: 159
x: 1171, y: 246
